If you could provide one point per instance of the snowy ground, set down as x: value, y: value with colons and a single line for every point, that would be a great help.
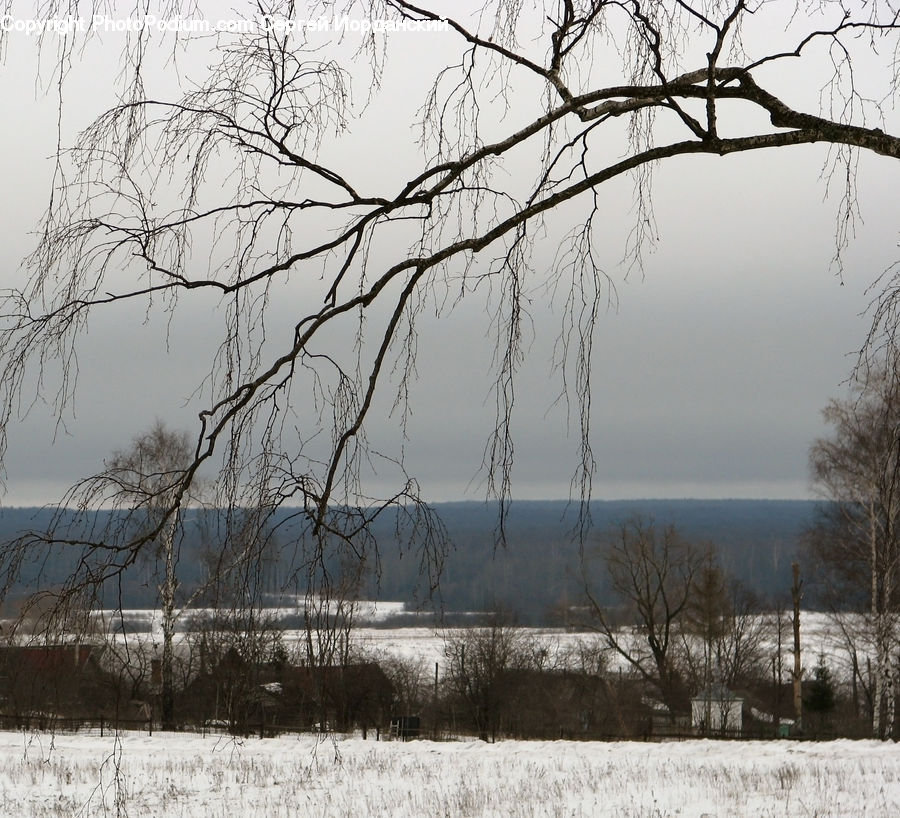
x: 820, y: 636
x: 178, y: 775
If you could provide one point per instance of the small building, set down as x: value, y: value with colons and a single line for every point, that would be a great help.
x: 59, y: 679
x: 406, y: 727
x: 250, y: 697
x: 716, y: 709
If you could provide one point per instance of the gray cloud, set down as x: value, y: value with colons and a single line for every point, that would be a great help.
x: 708, y: 376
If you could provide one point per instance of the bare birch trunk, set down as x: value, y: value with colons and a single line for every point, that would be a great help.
x: 167, y: 595
x: 876, y: 620
x: 887, y: 686
x: 797, y: 672
x: 885, y: 658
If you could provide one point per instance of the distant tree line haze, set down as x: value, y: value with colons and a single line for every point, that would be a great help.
x: 537, y: 575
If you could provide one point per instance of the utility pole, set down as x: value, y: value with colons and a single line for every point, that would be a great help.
x: 778, y: 670
x: 797, y: 673
x: 434, y: 705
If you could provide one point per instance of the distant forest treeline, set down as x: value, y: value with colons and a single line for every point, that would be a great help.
x: 536, y: 573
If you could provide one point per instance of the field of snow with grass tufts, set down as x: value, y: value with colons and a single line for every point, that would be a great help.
x: 188, y: 775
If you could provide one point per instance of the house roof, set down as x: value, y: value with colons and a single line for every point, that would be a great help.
x: 39, y: 659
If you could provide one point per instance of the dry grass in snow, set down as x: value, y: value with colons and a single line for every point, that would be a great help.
x: 180, y: 775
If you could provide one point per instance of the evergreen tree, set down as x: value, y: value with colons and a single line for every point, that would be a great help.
x: 820, y: 694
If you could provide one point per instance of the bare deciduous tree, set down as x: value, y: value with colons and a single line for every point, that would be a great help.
x: 146, y: 475
x: 480, y: 659
x: 238, y: 191
x: 706, y: 622
x: 672, y: 613
x: 723, y: 632
x: 651, y: 576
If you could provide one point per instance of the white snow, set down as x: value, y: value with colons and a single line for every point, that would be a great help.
x: 425, y: 646
x: 188, y: 775
x: 150, y: 620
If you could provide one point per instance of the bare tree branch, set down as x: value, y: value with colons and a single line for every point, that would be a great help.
x: 235, y: 190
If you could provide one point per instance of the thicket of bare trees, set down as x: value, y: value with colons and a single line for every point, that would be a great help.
x: 481, y: 661
x: 857, y: 540
x: 666, y: 607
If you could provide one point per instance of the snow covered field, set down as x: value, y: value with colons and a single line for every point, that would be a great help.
x: 178, y: 775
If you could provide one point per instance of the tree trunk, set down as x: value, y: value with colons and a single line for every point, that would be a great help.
x: 887, y: 633
x: 797, y: 672
x: 876, y: 618
x: 167, y: 594
x: 889, y: 687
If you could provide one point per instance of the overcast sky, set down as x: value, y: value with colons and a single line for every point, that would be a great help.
x: 710, y: 368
